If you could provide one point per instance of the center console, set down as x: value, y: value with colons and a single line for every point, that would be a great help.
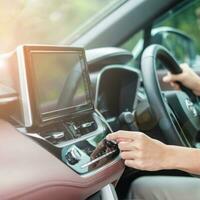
x: 57, y: 108
x: 79, y: 142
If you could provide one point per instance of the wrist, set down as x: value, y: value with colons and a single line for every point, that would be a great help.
x: 198, y: 85
x: 181, y: 158
x: 171, y: 157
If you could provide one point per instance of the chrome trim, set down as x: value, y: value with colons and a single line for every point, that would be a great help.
x: 103, y: 119
x: 24, y: 94
x: 98, y: 159
x: 92, y: 173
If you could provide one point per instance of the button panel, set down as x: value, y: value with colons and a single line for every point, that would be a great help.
x: 92, y: 152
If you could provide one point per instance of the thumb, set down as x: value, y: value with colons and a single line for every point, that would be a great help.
x: 166, y: 78
x: 171, y: 78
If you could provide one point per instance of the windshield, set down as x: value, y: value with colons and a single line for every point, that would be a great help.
x: 48, y: 21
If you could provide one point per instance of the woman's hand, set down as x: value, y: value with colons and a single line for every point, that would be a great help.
x: 140, y: 151
x: 188, y: 78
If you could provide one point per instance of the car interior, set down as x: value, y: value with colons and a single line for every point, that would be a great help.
x: 59, y: 101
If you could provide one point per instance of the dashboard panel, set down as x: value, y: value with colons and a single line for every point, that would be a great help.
x: 68, y: 154
x: 57, y: 107
x: 116, y: 92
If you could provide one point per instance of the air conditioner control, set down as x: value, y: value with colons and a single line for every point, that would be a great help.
x: 73, y: 156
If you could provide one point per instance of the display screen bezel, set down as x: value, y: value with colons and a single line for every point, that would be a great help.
x: 41, y: 119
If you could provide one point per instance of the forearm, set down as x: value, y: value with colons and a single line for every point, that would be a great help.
x: 196, y: 89
x: 193, y: 83
x: 182, y: 158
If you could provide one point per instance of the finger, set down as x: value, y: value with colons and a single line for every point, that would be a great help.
x: 96, y: 152
x: 196, y: 92
x: 184, y: 66
x: 166, y: 78
x: 175, y: 86
x: 128, y: 155
x: 123, y: 140
x: 126, y: 146
x: 172, y: 78
x: 120, y: 135
x: 132, y: 164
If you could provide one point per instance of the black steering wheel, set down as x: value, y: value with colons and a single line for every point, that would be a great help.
x: 174, y: 111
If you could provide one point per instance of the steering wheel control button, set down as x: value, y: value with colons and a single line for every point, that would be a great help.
x: 73, y: 156
x: 191, y: 108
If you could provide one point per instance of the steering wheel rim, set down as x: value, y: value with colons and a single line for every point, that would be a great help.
x: 158, y: 104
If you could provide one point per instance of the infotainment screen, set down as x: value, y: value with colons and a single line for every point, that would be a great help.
x: 58, y: 81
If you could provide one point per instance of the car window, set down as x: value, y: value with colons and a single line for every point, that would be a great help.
x: 185, y: 19
x: 132, y: 41
x: 49, y: 21
x: 134, y: 44
x: 180, y: 32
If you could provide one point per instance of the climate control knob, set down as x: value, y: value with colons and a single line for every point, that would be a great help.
x: 73, y: 156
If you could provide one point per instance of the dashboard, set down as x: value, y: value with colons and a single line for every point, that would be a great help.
x: 56, y: 117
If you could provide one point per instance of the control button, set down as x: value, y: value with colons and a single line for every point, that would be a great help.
x: 74, y: 126
x: 74, y: 130
x: 87, y: 125
x: 58, y: 135
x: 73, y: 156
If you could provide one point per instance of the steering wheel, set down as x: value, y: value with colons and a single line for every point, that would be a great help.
x: 174, y: 111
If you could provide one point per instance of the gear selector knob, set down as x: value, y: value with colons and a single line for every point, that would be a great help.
x: 110, y: 144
